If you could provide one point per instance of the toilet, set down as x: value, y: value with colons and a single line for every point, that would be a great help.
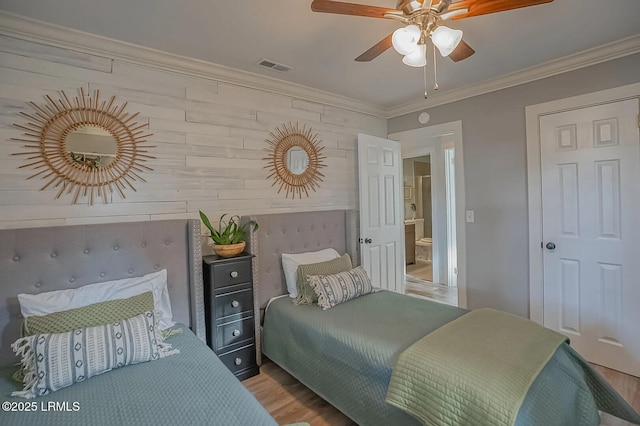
x: 424, y: 250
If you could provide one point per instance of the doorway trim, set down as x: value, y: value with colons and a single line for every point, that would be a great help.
x: 534, y: 179
x: 413, y: 145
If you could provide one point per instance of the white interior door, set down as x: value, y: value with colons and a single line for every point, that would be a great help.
x: 590, y: 161
x: 381, y: 217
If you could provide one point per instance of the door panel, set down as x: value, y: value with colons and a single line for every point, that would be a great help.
x: 590, y: 161
x: 381, y: 224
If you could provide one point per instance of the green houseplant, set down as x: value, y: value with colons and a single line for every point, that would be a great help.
x: 229, y: 237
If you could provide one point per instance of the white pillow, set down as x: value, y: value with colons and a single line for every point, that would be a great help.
x: 63, y: 300
x: 290, y: 264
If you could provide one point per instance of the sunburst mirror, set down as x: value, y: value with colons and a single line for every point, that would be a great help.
x: 295, y: 159
x: 85, y: 147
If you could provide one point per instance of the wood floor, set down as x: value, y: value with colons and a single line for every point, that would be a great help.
x: 421, y: 270
x: 428, y: 290
x: 289, y: 401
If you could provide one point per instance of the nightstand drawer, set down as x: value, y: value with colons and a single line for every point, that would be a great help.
x: 240, y: 359
x: 233, y: 302
x: 231, y: 273
x: 234, y: 332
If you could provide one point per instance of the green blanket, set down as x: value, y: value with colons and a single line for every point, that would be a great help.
x: 475, y: 370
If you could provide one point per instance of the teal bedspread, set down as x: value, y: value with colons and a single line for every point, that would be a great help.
x: 189, y: 388
x: 346, y: 354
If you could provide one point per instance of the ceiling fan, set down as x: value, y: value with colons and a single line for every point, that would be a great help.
x: 424, y: 21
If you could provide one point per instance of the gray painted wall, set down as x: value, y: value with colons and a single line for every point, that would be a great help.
x: 494, y: 137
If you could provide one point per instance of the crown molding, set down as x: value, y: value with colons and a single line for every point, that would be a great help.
x: 18, y: 26
x: 617, y: 49
x: 54, y: 35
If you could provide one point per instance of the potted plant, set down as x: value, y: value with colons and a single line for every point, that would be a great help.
x: 228, y: 238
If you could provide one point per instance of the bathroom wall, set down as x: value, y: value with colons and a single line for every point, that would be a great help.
x: 422, y: 169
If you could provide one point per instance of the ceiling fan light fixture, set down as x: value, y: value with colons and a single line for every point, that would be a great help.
x: 417, y: 58
x: 446, y: 39
x: 405, y: 40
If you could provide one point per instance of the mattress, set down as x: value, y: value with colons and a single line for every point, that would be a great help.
x: 346, y: 354
x: 189, y: 388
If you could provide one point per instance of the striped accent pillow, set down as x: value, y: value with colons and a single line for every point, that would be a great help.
x: 306, y: 295
x: 54, y: 361
x: 341, y: 287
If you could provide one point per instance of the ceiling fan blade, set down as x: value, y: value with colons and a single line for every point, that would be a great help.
x: 484, y: 7
x: 376, y: 50
x: 328, y: 6
x: 462, y: 51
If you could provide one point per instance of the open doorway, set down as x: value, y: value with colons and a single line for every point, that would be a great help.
x: 430, y: 226
x: 433, y: 212
x: 418, y: 217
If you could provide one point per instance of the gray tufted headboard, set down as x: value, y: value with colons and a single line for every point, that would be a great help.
x: 296, y: 233
x: 36, y: 260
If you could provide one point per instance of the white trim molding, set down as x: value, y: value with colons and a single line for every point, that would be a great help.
x: 534, y: 179
x: 414, y: 145
x: 606, y: 52
x: 17, y: 26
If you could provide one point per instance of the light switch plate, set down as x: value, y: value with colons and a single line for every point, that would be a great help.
x: 470, y: 216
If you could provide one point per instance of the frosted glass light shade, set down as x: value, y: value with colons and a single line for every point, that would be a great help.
x: 405, y: 40
x: 446, y: 39
x: 417, y: 58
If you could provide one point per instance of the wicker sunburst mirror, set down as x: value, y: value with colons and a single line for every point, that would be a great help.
x: 295, y: 159
x: 85, y: 147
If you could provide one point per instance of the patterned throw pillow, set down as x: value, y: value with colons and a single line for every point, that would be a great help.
x: 341, y: 287
x: 55, y: 361
x: 88, y: 316
x: 306, y: 295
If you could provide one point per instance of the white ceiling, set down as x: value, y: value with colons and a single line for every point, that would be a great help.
x: 320, y: 47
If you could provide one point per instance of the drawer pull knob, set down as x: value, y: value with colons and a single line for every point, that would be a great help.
x: 235, y: 304
x: 238, y: 361
x: 234, y: 274
x: 236, y: 333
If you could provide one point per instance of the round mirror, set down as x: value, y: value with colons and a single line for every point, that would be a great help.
x: 85, y: 147
x: 297, y: 160
x: 91, y: 146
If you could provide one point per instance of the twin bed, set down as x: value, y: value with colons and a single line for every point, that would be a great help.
x: 345, y: 354
x: 190, y: 387
x: 349, y: 354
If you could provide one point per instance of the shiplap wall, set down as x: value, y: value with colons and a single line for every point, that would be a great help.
x: 209, y: 138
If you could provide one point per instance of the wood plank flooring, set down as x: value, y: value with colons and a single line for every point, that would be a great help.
x: 432, y: 291
x: 289, y: 401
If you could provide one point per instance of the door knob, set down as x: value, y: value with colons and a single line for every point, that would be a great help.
x: 551, y: 246
x: 367, y: 240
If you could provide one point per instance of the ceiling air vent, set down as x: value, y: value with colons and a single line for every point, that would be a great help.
x: 266, y: 63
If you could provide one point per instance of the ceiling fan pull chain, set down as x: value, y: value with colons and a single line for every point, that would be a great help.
x: 435, y: 70
x: 424, y: 68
